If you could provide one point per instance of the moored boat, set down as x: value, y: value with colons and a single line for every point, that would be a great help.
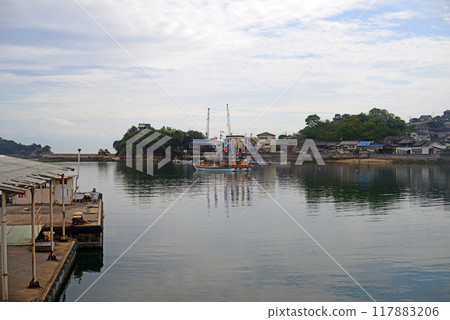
x: 237, y: 144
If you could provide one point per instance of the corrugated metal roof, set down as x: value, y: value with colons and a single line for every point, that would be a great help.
x: 364, y: 143
x: 18, y: 175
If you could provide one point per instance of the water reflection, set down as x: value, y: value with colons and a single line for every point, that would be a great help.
x: 378, y: 186
x: 233, y: 189
x: 88, y: 261
x: 226, y: 240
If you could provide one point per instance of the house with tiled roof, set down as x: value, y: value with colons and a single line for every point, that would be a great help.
x: 420, y: 135
x: 425, y: 118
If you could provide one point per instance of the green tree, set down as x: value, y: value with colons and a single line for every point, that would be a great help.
x: 179, y: 141
x: 375, y: 125
x: 436, y: 123
x: 312, y: 120
x: 10, y: 147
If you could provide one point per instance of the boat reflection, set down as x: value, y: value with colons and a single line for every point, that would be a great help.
x: 227, y: 189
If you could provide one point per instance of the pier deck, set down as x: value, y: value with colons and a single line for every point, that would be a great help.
x: 50, y: 274
x: 21, y: 214
x: 19, y: 271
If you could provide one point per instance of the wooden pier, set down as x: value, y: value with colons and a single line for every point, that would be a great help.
x: 51, y: 274
x: 33, y: 228
x: 83, y: 228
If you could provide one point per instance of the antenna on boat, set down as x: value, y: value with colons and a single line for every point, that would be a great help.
x: 228, y: 120
x: 207, y: 126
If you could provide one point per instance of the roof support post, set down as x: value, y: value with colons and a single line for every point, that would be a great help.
x: 78, y: 172
x: 4, y: 250
x: 63, y: 237
x: 52, y: 247
x: 33, y: 283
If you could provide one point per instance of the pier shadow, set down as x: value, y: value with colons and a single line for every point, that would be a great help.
x: 88, y: 261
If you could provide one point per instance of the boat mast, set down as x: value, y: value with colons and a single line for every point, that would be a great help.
x: 228, y: 120
x: 207, y: 126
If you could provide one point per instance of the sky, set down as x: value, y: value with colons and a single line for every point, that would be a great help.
x: 78, y: 73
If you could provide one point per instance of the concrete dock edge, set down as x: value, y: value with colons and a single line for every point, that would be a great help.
x: 60, y: 275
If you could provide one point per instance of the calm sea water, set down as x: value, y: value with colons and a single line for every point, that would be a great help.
x: 249, y: 237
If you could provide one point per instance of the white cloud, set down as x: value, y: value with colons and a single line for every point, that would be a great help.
x: 245, y: 53
x: 447, y: 14
x: 397, y: 15
x: 61, y: 122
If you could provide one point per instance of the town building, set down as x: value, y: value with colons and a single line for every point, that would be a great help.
x: 347, y: 146
x: 425, y: 118
x: 143, y: 126
x: 42, y: 194
x: 363, y: 146
x: 268, y: 140
x: 446, y: 116
x: 381, y: 147
x: 422, y: 147
x: 420, y: 135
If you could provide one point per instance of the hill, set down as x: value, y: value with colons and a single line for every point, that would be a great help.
x: 180, y: 140
x: 10, y: 147
x: 375, y: 125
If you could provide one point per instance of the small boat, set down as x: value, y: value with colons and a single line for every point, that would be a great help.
x: 204, y: 167
x: 181, y: 161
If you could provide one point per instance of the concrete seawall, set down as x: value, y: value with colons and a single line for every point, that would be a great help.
x: 292, y: 156
x: 60, y: 275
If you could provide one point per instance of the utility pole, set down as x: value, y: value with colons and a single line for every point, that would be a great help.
x: 207, y: 126
x: 228, y: 120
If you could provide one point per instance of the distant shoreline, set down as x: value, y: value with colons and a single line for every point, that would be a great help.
x: 330, y: 158
x: 65, y: 157
x: 356, y: 160
x: 371, y: 158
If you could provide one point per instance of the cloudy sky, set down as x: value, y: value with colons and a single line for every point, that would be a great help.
x: 78, y: 73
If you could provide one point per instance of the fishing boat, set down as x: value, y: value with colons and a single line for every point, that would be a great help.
x: 232, y: 143
x: 213, y: 168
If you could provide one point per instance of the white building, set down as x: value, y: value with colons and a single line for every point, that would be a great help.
x: 42, y: 194
x: 268, y: 140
